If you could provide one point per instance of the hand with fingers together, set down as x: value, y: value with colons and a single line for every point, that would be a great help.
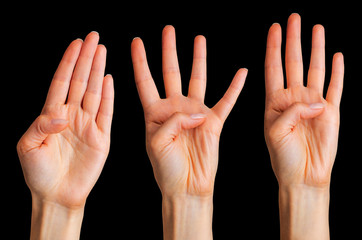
x: 63, y: 152
x: 301, y: 130
x: 182, y: 136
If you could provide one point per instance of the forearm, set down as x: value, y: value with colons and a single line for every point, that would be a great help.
x: 303, y: 212
x: 53, y: 221
x: 187, y: 218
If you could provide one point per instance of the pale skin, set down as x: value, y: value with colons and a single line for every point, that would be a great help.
x: 182, y: 136
x: 63, y: 152
x: 301, y: 129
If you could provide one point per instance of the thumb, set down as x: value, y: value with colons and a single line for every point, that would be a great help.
x: 174, y: 125
x: 289, y: 119
x: 39, y: 131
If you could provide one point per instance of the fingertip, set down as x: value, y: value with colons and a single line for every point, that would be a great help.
x: 168, y: 28
x: 200, y: 38
x: 339, y: 56
x: 102, y: 47
x: 275, y: 27
x: 136, y: 39
x: 109, y: 76
x: 108, y: 85
x: 242, y: 73
x: 92, y: 35
x: 101, y: 50
x: 95, y: 33
x: 77, y: 43
x: 78, y: 40
x: 108, y: 80
x: 274, y: 35
x: 294, y: 19
x: 168, y: 32
x: 294, y: 16
x: 136, y: 43
x: 318, y: 27
x: 338, y: 63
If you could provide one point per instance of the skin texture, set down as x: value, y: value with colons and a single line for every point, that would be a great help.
x: 182, y: 133
x: 301, y: 125
x: 63, y: 152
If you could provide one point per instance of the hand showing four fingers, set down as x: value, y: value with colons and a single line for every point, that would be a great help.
x: 182, y: 134
x: 301, y: 127
x: 64, y: 150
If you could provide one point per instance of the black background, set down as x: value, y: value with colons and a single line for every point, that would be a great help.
x: 126, y: 199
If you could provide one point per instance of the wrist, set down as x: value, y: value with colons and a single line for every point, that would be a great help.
x: 54, y: 221
x: 187, y: 217
x: 304, y: 212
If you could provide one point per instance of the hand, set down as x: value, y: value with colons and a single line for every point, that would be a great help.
x: 301, y: 127
x: 64, y: 150
x: 182, y: 134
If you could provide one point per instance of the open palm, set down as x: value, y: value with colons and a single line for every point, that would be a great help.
x: 301, y: 127
x: 64, y: 150
x: 182, y: 134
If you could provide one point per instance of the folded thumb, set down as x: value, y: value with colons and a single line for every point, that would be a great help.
x: 39, y: 131
x: 174, y: 125
x: 296, y: 112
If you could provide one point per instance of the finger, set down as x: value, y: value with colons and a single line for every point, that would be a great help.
x: 168, y: 132
x: 170, y: 68
x: 59, y: 87
x: 273, y: 60
x: 80, y: 77
x: 92, y: 96
x: 335, y: 87
x: 146, y: 87
x: 197, y: 84
x: 226, y: 103
x: 105, y: 112
x: 317, y: 61
x: 290, y: 118
x: 293, y: 52
x: 39, y: 131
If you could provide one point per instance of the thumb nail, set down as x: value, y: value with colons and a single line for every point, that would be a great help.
x: 316, y: 106
x: 59, y: 121
x: 197, y: 116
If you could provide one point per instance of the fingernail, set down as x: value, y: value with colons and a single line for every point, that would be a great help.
x: 59, y: 121
x: 316, y: 105
x: 197, y: 116
x: 135, y: 38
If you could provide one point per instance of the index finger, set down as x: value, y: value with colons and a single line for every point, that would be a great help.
x: 59, y: 87
x: 227, y: 102
x: 273, y: 60
x: 146, y: 87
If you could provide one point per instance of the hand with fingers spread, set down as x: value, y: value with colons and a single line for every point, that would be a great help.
x: 182, y: 136
x: 301, y: 130
x: 63, y: 152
